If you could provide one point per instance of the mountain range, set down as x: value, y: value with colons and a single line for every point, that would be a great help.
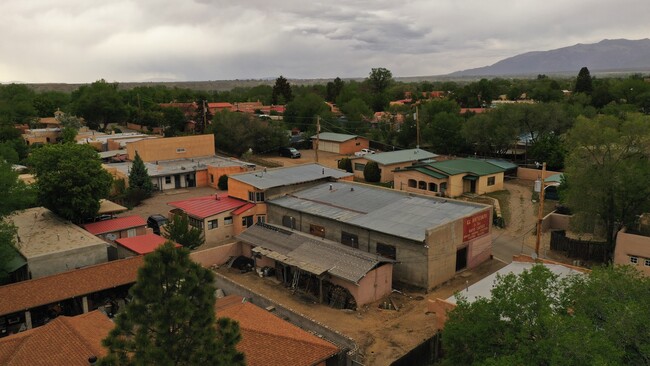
x: 609, y: 55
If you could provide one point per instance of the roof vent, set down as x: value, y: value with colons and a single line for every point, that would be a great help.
x: 351, y: 189
x: 92, y: 360
x: 331, y: 187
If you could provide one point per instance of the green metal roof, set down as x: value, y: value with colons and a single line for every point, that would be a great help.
x: 502, y: 163
x: 16, y: 262
x: 400, y: 156
x: 429, y: 172
x: 555, y: 178
x: 472, y: 166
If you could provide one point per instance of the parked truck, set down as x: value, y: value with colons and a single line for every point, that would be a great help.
x: 364, y: 152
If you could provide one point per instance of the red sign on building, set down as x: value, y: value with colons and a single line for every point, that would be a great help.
x: 476, y: 226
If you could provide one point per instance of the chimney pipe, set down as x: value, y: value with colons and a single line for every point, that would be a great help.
x: 92, y: 360
x: 330, y: 187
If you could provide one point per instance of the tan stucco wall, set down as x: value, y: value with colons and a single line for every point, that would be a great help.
x: 222, y: 232
x: 239, y: 189
x: 482, y: 186
x: 57, y: 262
x: 628, y: 245
x: 386, y: 170
x: 533, y: 174
x: 456, y: 186
x: 345, y: 148
x: 216, y: 255
x: 151, y: 150
x: 215, y: 172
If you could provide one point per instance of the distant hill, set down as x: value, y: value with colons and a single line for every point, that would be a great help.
x: 609, y: 55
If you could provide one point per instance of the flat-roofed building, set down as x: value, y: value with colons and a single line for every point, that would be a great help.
x: 52, y: 245
x: 430, y: 238
x: 389, y: 161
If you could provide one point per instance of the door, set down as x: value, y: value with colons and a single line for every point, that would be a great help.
x: 177, y: 181
x: 461, y: 259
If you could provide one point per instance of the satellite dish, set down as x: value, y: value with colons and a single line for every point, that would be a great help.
x: 111, y: 237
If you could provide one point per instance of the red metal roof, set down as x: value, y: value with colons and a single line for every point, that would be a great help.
x: 142, y: 244
x: 243, y: 209
x: 113, y: 225
x: 207, y: 206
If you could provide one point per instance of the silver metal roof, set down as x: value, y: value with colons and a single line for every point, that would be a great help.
x: 279, y: 177
x: 400, y: 156
x: 181, y: 166
x: 483, y: 288
x: 310, y: 253
x: 331, y: 136
x: 383, y: 210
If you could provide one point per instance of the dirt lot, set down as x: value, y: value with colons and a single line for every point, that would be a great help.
x: 308, y: 156
x: 382, y: 335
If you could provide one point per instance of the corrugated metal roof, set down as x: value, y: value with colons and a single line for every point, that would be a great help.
x: 473, y: 166
x: 555, y: 178
x: 507, y: 165
x: 310, y: 253
x: 289, y: 175
x: 337, y: 137
x: 206, y: 206
x: 383, y: 210
x: 400, y: 156
x: 118, y: 224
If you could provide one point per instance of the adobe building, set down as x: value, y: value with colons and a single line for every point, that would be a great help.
x: 121, y: 227
x: 389, y: 161
x: 171, y: 148
x: 331, y: 272
x: 431, y: 238
x: 340, y: 143
x: 52, y: 245
x: 450, y: 178
x: 633, y: 246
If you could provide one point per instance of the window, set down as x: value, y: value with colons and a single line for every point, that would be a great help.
x: 647, y: 262
x: 195, y: 222
x: 289, y: 221
x: 634, y: 260
x: 213, y: 224
x: 131, y: 233
x: 413, y: 183
x: 350, y: 240
x: 386, y: 251
x: 433, y: 187
x: 491, y: 181
x: 180, y: 150
x: 227, y: 220
x: 317, y: 230
x: 256, y: 196
x: 422, y: 185
x: 359, y: 166
x: 211, y: 178
x: 261, y: 219
x: 168, y: 180
x: 247, y: 221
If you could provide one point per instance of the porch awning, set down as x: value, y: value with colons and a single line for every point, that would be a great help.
x: 470, y: 177
x: 309, y: 267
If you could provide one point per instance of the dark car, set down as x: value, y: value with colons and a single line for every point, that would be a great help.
x: 289, y: 152
x: 155, y: 222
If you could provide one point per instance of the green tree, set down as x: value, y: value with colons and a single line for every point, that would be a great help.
x: 379, y: 80
x: 333, y: 89
x: 583, y: 82
x: 345, y: 164
x: 549, y: 148
x: 99, y: 104
x: 235, y: 133
x: 356, y: 110
x: 371, y: 172
x: 69, y: 135
x: 606, y: 170
x: 223, y: 183
x: 16, y: 104
x: 7, y: 248
x: 180, y: 231
x: 170, y: 319
x: 443, y: 133
x: 281, y: 91
x: 70, y: 180
x: 16, y: 195
x: 537, y: 318
x: 139, y: 178
x: 173, y: 120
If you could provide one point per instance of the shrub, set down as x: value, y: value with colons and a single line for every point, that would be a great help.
x: 372, y: 173
x: 223, y: 183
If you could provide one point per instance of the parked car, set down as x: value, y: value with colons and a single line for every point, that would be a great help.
x: 364, y: 152
x: 155, y: 222
x: 289, y: 152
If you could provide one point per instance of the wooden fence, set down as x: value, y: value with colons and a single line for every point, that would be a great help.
x: 586, y: 250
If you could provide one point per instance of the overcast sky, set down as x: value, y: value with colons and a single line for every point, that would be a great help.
x: 140, y: 40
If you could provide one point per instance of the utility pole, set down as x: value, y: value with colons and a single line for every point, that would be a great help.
x: 417, y: 127
x: 205, y: 111
x: 540, y: 212
x: 317, y: 137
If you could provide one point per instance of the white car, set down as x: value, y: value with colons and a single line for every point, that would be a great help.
x: 364, y: 152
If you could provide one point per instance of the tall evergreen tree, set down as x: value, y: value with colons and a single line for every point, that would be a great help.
x: 282, y: 88
x: 171, y: 318
x: 583, y: 82
x: 179, y: 230
x: 139, y: 176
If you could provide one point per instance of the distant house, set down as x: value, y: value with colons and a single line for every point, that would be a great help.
x: 121, y: 227
x: 217, y: 107
x: 219, y: 217
x: 139, y: 245
x: 633, y: 246
x: 52, y: 245
x: 450, y: 178
x: 188, y: 109
x: 298, y: 258
x: 66, y: 340
x: 267, y: 339
x: 389, y: 161
x: 340, y: 143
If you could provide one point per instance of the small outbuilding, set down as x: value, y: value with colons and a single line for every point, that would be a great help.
x: 339, y: 143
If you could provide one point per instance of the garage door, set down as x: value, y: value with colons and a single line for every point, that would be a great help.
x: 329, y: 146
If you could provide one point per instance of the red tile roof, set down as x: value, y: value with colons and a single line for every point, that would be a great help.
x: 46, y: 290
x: 63, y: 341
x: 220, y: 105
x: 269, y: 340
x: 113, y: 225
x: 207, y: 206
x: 143, y: 244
